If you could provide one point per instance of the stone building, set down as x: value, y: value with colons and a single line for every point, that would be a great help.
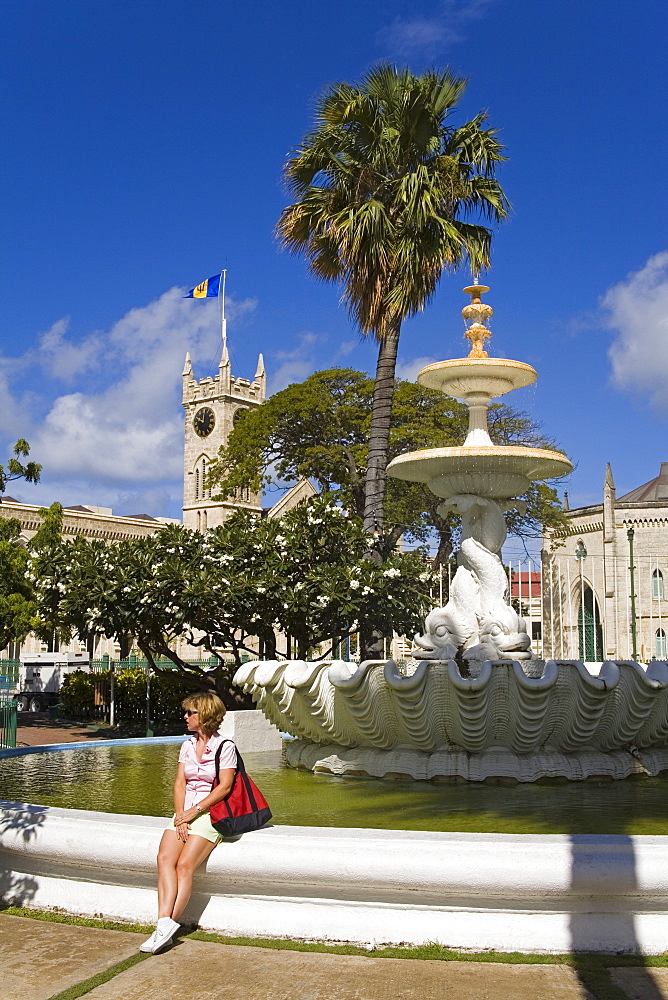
x: 211, y: 406
x: 604, y: 577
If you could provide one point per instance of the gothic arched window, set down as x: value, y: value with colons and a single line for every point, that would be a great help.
x: 590, y: 628
x: 657, y: 585
x: 660, y: 644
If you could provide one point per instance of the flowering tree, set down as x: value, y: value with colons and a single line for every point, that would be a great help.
x: 130, y: 589
x: 313, y: 579
x: 18, y: 604
x: 304, y: 576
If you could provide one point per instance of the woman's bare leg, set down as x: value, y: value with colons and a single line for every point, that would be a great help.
x: 169, y: 852
x: 195, y: 851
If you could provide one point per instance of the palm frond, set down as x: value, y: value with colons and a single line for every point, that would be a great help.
x: 388, y: 195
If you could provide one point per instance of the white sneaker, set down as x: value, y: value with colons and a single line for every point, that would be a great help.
x: 161, y: 936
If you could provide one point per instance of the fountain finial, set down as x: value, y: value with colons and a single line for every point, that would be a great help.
x: 475, y: 316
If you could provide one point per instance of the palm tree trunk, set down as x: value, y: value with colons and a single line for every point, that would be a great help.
x: 371, y: 641
x: 379, y: 433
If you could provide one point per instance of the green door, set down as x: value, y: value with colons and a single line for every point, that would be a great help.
x: 592, y: 630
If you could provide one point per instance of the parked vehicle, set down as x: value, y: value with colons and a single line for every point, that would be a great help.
x: 40, y: 677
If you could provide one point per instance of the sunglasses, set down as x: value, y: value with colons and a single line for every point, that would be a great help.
x: 191, y: 711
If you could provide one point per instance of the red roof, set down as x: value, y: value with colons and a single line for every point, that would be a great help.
x: 524, y: 584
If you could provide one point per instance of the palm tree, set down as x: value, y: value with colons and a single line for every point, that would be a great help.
x: 383, y: 186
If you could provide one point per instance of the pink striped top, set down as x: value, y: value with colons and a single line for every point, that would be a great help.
x: 200, y: 773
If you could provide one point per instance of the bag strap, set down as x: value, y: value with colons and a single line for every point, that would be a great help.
x: 240, y: 768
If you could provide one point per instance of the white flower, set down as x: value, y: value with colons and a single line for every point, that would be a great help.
x: 392, y: 572
x: 354, y: 584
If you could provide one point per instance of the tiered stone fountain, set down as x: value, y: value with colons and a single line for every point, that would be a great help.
x: 476, y: 703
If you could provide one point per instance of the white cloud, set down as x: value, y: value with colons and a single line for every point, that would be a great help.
x: 347, y: 347
x: 429, y: 35
x: 637, y: 310
x: 63, y: 359
x: 296, y: 365
x: 408, y: 369
x: 128, y: 432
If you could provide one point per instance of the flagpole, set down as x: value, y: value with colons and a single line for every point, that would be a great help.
x: 223, y: 275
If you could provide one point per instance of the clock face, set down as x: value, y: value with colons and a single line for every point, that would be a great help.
x: 204, y: 421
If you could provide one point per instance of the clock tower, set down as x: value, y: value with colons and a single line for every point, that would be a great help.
x: 211, y: 406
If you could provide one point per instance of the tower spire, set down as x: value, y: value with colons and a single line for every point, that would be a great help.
x: 261, y: 378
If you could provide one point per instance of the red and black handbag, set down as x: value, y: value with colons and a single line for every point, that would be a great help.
x: 244, y: 808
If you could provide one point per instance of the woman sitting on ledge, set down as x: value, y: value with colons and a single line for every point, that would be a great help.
x: 190, y: 838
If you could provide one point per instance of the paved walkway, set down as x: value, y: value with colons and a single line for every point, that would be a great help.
x: 41, y: 959
x: 36, y: 729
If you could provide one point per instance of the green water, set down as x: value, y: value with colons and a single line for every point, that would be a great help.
x: 138, y: 779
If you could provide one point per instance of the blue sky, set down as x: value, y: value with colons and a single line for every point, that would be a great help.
x: 143, y: 148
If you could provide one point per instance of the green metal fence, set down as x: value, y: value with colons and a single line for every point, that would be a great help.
x: 7, y: 722
x: 105, y: 663
x: 112, y: 698
x: 10, y: 668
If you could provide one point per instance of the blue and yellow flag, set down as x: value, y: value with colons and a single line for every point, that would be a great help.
x: 208, y: 289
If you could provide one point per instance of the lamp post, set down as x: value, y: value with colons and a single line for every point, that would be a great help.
x: 149, y: 725
x: 634, y: 631
x: 581, y: 555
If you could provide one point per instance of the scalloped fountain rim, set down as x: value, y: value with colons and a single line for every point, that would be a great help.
x: 370, y: 719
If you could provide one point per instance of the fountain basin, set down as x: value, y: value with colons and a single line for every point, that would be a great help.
x: 490, y: 377
x: 491, y: 471
x: 369, y: 719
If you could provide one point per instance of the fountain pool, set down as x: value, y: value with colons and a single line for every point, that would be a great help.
x: 136, y: 780
x: 525, y: 888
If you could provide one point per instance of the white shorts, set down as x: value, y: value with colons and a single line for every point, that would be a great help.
x: 200, y: 827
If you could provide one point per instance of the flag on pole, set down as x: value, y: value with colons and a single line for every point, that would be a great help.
x: 208, y: 289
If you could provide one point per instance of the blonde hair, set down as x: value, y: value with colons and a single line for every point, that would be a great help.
x: 209, y: 707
